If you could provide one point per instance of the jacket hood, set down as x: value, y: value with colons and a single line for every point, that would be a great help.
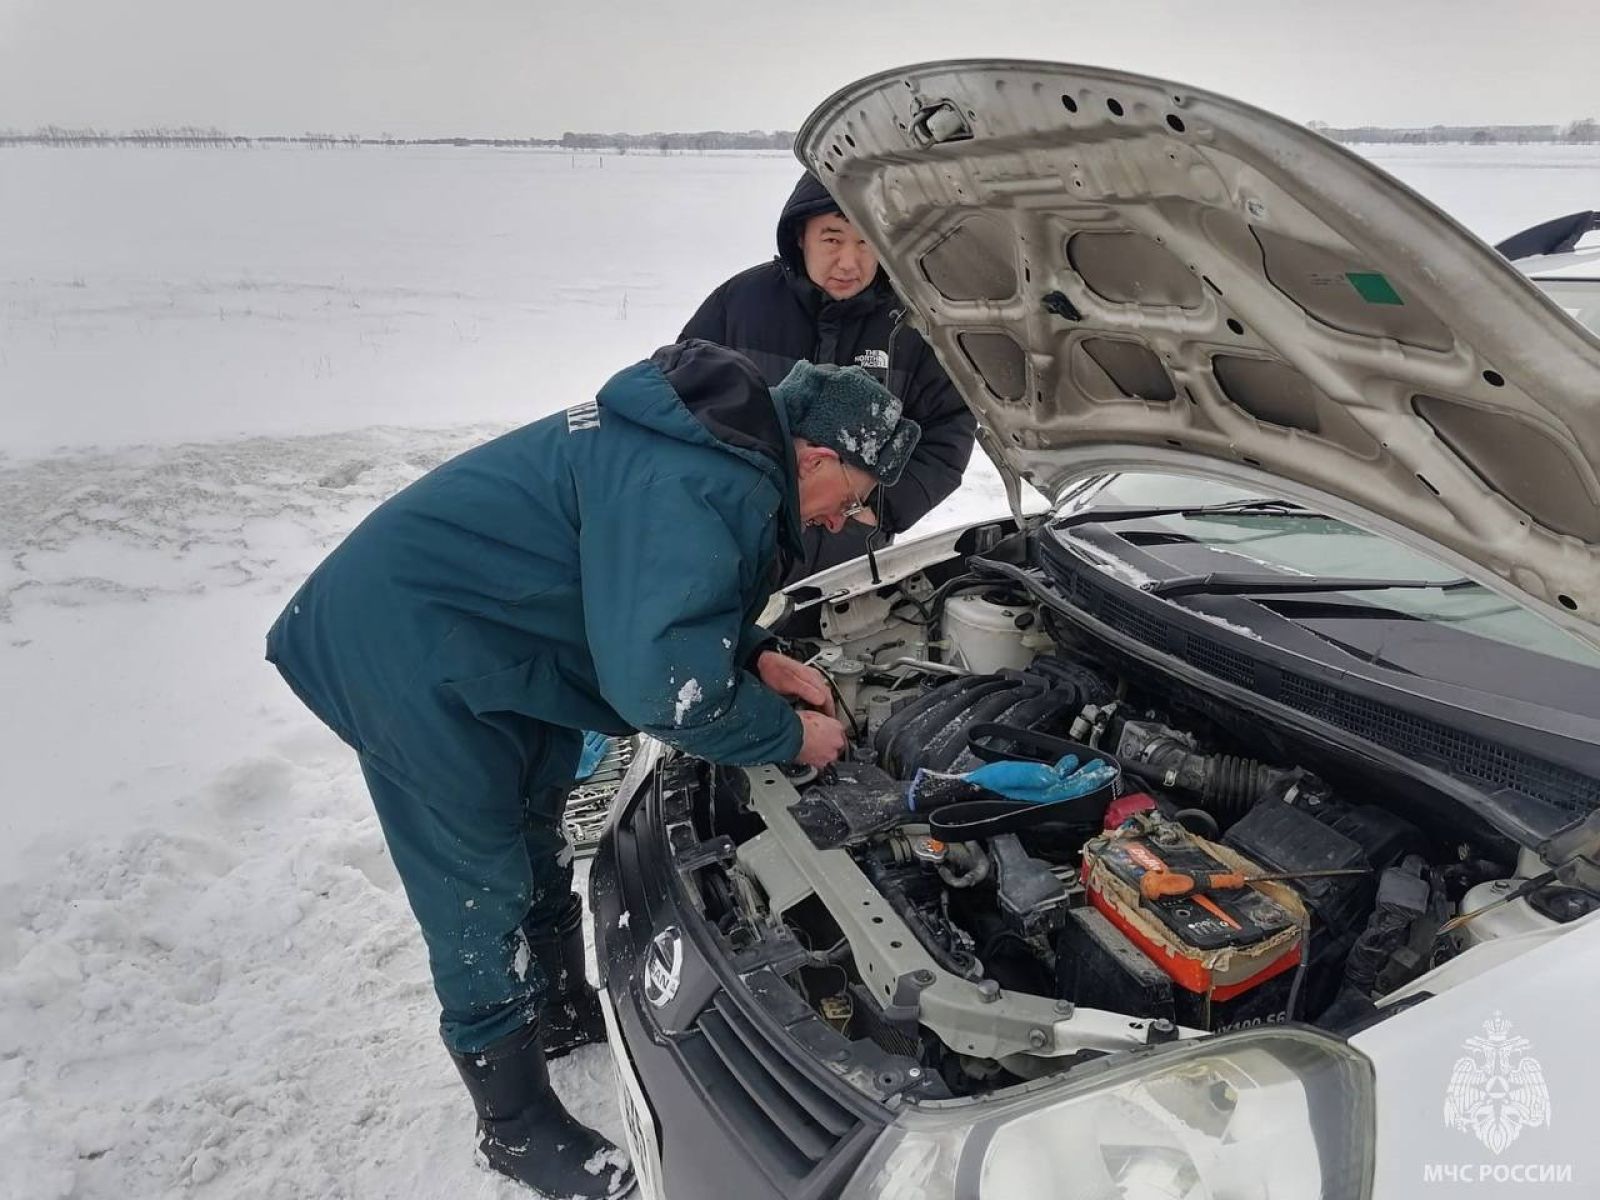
x: 1121, y: 273
x: 809, y: 199
x: 705, y: 394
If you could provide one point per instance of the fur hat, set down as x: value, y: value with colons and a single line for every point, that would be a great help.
x: 849, y: 411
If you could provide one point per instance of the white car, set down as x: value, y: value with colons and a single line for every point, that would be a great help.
x: 1318, y: 590
x: 1562, y: 256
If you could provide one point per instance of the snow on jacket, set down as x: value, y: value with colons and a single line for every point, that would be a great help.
x: 775, y: 316
x: 599, y: 569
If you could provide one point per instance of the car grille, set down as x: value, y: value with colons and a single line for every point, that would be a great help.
x: 754, y: 1088
x: 761, y: 1073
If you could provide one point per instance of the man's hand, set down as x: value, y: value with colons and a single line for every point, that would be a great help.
x: 824, y: 741
x: 795, y: 680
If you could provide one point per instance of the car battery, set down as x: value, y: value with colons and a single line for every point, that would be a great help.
x: 1097, y: 966
x: 1220, y: 948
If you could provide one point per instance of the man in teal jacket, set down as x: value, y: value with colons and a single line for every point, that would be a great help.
x: 600, y: 569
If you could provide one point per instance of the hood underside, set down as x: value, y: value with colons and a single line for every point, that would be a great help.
x: 1121, y: 273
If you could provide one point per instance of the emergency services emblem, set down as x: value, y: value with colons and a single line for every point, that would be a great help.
x: 1496, y: 1091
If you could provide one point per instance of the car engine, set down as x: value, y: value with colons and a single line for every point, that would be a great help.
x: 934, y: 680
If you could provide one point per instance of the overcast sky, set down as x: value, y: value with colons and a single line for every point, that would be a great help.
x: 540, y: 67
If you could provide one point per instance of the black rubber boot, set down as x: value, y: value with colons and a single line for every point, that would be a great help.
x: 571, y: 1014
x: 525, y: 1133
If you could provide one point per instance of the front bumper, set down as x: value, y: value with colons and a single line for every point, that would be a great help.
x: 743, y: 1082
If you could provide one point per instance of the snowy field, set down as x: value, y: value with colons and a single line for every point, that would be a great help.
x: 212, y: 364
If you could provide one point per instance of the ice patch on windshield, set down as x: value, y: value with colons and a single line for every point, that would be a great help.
x: 1114, y: 567
x: 1280, y: 568
x: 1122, y: 571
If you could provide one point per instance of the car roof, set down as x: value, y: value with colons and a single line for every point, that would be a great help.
x: 1580, y: 264
x: 1565, y: 247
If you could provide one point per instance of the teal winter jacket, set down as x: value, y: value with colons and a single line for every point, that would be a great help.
x: 599, y: 569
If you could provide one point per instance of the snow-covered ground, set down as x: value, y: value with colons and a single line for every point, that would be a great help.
x: 212, y: 364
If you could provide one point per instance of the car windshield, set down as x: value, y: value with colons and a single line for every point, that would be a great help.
x: 1309, y: 544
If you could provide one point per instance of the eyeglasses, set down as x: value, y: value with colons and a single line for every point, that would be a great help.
x: 857, y: 505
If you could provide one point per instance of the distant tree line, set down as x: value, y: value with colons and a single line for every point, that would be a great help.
x: 183, y: 135
x: 678, y: 143
x: 1582, y: 133
x: 191, y: 135
x: 353, y: 139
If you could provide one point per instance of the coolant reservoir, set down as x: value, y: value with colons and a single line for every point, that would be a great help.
x: 984, y: 636
x: 1506, y: 920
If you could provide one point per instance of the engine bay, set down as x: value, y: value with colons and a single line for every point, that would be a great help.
x: 1227, y: 876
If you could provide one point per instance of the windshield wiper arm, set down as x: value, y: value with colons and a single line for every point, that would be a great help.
x: 1225, y: 583
x: 1236, y: 508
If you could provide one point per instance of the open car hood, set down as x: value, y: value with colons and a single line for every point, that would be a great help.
x: 1121, y: 273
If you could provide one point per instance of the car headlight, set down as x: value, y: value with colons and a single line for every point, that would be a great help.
x: 1285, y: 1114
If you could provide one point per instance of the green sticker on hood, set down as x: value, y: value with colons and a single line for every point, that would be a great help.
x: 1374, y: 288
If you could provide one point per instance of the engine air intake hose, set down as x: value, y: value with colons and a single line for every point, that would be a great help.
x: 1227, y: 785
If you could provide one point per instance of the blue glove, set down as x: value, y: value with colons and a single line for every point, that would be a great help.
x: 595, y: 746
x: 1037, y: 783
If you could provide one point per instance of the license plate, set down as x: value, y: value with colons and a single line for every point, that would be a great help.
x: 644, y: 1146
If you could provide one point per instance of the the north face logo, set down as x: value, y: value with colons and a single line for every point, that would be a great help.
x: 583, y: 416
x: 876, y: 360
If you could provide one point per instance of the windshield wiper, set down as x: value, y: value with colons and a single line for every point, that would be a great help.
x: 1224, y: 583
x: 1232, y: 508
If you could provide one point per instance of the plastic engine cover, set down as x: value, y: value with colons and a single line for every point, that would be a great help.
x: 1325, y: 835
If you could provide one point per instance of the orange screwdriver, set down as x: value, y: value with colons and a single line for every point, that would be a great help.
x: 1156, y: 884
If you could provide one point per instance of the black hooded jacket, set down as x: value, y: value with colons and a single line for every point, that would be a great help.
x: 775, y: 315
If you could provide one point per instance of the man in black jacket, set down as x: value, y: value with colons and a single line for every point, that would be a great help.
x: 824, y: 300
